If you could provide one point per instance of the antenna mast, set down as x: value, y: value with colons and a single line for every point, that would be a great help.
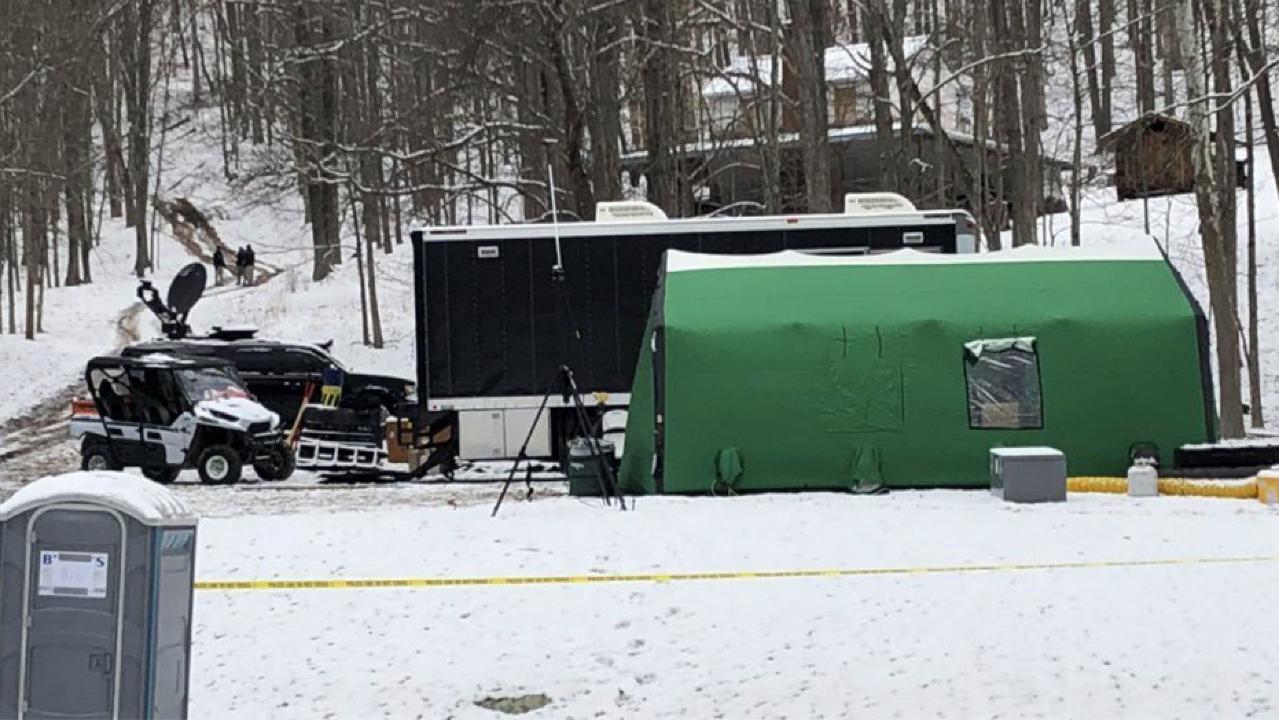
x: 555, y: 213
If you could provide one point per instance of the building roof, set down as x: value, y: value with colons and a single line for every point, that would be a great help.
x: 848, y: 136
x: 845, y: 63
x: 1152, y: 122
x: 851, y: 62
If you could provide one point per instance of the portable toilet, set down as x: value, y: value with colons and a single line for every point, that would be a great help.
x: 96, y: 577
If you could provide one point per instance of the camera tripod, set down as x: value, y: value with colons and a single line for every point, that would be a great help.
x: 565, y: 384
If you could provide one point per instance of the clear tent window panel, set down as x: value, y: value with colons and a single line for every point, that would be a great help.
x: 1004, y: 390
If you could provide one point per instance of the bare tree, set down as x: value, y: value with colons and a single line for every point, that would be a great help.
x: 806, y: 45
x: 316, y: 77
x: 1106, y: 30
x: 1253, y: 50
x: 1216, y: 236
x: 656, y: 28
x: 1256, y: 414
x: 134, y: 29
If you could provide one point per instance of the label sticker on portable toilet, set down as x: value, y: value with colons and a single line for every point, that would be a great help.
x: 73, y: 574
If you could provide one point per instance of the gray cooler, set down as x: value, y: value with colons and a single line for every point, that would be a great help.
x: 1028, y: 474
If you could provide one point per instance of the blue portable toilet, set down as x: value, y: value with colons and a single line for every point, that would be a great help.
x: 97, y: 574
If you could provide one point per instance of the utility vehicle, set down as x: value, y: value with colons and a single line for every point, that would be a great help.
x: 165, y: 414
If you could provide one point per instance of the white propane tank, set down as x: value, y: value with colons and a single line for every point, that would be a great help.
x: 1143, y: 479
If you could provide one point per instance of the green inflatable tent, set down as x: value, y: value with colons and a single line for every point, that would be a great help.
x: 800, y: 371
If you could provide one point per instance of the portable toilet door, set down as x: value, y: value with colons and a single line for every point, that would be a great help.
x: 73, y: 618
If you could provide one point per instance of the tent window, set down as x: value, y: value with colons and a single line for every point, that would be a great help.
x: 1003, y: 384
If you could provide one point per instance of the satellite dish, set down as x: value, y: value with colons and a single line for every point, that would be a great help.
x: 186, y: 288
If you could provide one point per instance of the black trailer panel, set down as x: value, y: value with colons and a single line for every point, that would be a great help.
x: 489, y: 323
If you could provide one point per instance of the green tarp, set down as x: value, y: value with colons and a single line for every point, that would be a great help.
x: 793, y: 371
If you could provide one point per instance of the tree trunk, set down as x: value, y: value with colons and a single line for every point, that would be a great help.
x: 136, y: 61
x: 317, y: 90
x: 908, y: 147
x: 10, y: 231
x: 372, y: 237
x: 1076, y: 33
x: 606, y: 106
x: 1256, y: 414
x: 359, y: 271
x: 77, y: 142
x: 1106, y: 34
x: 113, y: 160
x: 1028, y: 25
x: 197, y: 61
x: 1254, y: 51
x: 32, y: 242
x: 662, y: 122
x: 575, y: 131
x: 1139, y: 39
x: 251, y: 25
x: 1083, y: 28
x: 807, y: 55
x: 1218, y: 259
x: 877, y: 35
x: 980, y: 186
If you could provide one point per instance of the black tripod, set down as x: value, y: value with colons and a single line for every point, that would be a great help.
x: 565, y: 384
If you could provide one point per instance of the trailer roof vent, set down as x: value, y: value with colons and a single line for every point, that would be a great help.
x: 627, y: 211
x: 876, y: 203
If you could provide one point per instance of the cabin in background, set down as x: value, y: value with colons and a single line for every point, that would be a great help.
x: 1153, y: 158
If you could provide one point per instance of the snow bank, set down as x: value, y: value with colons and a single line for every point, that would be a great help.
x: 130, y: 494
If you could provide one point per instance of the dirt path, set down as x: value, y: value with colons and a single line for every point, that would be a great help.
x: 36, y: 442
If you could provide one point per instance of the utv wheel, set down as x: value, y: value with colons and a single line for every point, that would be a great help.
x: 162, y: 475
x: 96, y: 457
x: 219, y: 465
x: 279, y: 465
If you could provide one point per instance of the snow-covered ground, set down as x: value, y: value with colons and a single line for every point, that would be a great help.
x: 1190, y: 641
x: 78, y: 322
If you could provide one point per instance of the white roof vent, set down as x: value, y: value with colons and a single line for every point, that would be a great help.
x: 876, y: 203
x: 627, y: 211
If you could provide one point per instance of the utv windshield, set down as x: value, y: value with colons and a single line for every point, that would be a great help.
x: 210, y: 384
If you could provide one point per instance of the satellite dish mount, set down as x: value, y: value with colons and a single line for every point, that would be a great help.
x: 184, y: 292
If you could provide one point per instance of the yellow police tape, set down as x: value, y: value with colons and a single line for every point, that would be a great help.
x: 436, y: 582
x: 1241, y: 490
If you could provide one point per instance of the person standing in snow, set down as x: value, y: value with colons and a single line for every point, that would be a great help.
x: 219, y: 264
x: 239, y: 266
x: 249, y: 259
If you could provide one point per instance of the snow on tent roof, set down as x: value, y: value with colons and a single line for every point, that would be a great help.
x: 1135, y: 250
x: 133, y: 495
